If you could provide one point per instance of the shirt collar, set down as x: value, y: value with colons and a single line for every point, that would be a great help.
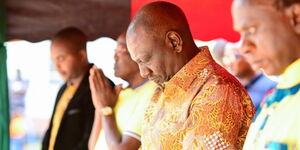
x: 291, y: 76
x: 187, y: 74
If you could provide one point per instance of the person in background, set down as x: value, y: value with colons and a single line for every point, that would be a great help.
x: 217, y: 51
x: 270, y: 34
x: 254, y: 81
x: 119, y: 113
x: 73, y: 113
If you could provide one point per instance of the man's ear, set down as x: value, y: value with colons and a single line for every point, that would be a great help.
x: 83, y: 54
x: 294, y: 14
x: 174, y: 40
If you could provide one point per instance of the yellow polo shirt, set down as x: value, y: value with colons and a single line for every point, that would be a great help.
x: 129, y: 112
x: 59, y: 112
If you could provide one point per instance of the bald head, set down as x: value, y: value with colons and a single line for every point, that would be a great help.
x: 160, y: 41
x: 72, y: 38
x: 159, y: 17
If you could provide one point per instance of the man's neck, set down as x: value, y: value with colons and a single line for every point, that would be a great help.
x: 194, y: 50
x: 189, y: 53
x: 76, y: 81
x: 135, y: 81
x: 246, y: 78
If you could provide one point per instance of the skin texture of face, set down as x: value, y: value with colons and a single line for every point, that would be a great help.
x: 269, y: 40
x: 124, y: 66
x: 155, y: 61
x: 66, y: 61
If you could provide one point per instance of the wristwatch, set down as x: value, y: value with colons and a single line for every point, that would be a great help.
x: 106, y: 111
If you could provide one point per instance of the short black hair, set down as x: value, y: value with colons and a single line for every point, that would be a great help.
x: 74, y: 38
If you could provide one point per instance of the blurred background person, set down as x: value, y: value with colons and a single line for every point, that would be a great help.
x: 73, y: 113
x: 254, y: 81
x: 218, y: 50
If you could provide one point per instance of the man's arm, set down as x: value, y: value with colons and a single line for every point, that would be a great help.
x: 114, y: 139
x: 103, y: 95
x: 95, y: 131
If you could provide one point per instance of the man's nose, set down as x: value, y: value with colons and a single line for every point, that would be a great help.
x: 246, y: 45
x: 116, y: 57
x: 144, y: 71
x: 57, y: 66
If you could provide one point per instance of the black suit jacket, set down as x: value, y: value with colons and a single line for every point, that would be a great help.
x: 77, y: 121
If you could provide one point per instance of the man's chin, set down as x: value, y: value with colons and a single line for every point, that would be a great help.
x: 156, y: 80
x: 66, y: 78
x: 271, y: 71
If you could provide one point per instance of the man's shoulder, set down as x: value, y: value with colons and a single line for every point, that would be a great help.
x: 220, y: 82
x: 138, y: 96
x: 220, y: 76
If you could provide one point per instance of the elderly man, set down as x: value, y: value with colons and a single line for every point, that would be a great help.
x: 199, y: 105
x: 118, y: 117
x: 270, y: 33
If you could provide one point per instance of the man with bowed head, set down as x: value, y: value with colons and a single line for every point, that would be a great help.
x: 198, y: 104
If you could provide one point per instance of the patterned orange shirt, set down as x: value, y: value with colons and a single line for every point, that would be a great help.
x: 201, y: 107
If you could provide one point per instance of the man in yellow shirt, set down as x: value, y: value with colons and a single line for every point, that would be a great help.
x: 199, y: 105
x: 119, y: 114
x: 270, y: 32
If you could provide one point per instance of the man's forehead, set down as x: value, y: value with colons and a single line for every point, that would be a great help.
x: 269, y: 3
x: 241, y: 16
x: 61, y: 44
x: 122, y: 37
x: 136, y: 38
x: 263, y: 6
x: 247, y: 15
x: 62, y: 48
x: 121, y: 44
x: 138, y: 53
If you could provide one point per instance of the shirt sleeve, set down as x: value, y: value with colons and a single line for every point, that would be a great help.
x: 218, y: 118
x: 134, y: 127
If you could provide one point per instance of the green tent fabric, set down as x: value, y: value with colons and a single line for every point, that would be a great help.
x: 4, y: 106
